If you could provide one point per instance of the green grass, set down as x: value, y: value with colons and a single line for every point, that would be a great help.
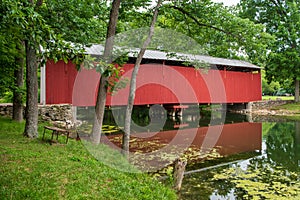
x: 295, y: 107
x: 277, y: 97
x: 34, y: 169
x: 292, y: 111
x: 2, y: 100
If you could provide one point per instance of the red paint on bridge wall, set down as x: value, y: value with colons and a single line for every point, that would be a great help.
x: 156, y: 84
x: 232, y: 138
x: 60, y: 79
x: 227, y: 139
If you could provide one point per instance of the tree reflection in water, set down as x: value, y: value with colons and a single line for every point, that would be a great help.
x: 274, y: 174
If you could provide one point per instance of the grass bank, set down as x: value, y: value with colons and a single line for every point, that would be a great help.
x: 291, y: 111
x: 34, y: 169
x: 277, y: 97
x: 292, y: 107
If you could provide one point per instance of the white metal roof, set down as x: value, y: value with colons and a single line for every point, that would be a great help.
x: 160, y: 55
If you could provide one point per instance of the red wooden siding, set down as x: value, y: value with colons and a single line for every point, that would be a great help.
x: 60, y: 79
x: 229, y: 139
x: 156, y: 84
x: 85, y: 88
x: 232, y: 138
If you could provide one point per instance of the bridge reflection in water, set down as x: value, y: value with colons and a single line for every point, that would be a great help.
x: 198, y: 144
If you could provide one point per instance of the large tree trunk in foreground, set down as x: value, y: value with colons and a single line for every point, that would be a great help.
x: 102, y: 88
x: 297, y: 90
x: 17, y: 92
x: 99, y: 111
x: 31, y: 112
x: 126, y: 135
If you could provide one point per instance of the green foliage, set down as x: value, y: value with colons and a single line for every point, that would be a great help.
x: 113, y: 71
x: 47, y: 27
x: 7, y: 97
x: 282, y: 20
x: 283, y: 145
x: 34, y: 169
x: 218, y: 30
x: 10, y: 49
x: 134, y: 14
x: 269, y: 88
x: 66, y: 51
x: 266, y: 127
x: 6, y: 80
x: 77, y: 21
x: 82, y: 24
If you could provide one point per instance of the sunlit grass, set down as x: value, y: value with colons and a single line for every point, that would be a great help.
x: 291, y: 110
x: 290, y: 107
x: 2, y: 101
x: 277, y: 97
x: 34, y: 169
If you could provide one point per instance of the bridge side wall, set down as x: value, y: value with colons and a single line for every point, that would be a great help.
x: 157, y: 84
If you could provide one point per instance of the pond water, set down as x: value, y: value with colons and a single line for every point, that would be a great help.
x: 272, y: 173
x: 228, y: 156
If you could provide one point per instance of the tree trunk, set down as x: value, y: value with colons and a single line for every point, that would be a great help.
x: 179, y: 169
x: 126, y: 135
x: 31, y: 111
x: 17, y: 92
x: 99, y: 111
x: 297, y: 142
x: 102, y: 89
x: 296, y: 90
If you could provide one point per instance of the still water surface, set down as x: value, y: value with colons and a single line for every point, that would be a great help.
x: 229, y: 157
x: 278, y: 162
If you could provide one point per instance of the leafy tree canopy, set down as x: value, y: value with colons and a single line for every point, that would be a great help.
x: 47, y: 25
x: 51, y: 22
x: 217, y: 29
x: 282, y: 19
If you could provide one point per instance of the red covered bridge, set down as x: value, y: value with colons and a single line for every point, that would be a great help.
x: 161, y: 80
x: 230, y: 138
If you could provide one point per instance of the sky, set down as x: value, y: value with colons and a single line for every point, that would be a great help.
x: 228, y: 2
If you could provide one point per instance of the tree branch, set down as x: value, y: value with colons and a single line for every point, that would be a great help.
x: 279, y: 8
x: 199, y: 23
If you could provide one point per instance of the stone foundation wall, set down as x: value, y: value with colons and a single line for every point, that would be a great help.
x: 6, y: 109
x: 260, y: 105
x: 56, y: 114
x: 255, y: 106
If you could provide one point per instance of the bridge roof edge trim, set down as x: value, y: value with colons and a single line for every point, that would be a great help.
x: 97, y: 50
